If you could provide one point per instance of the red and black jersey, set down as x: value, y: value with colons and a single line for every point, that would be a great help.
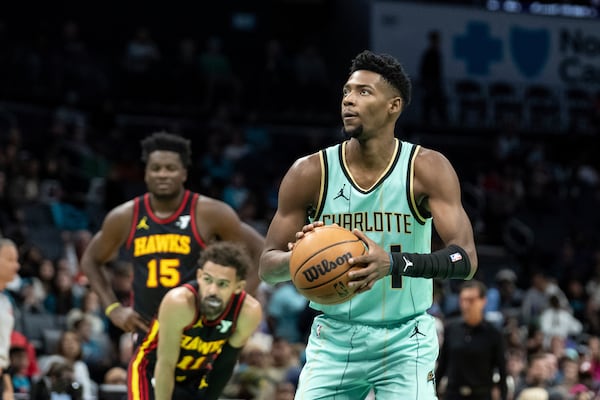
x: 201, y: 343
x: 164, y: 252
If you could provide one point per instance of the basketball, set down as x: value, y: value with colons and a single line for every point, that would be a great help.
x: 319, y: 264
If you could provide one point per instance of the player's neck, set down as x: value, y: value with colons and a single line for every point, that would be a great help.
x: 373, y: 154
x: 163, y: 207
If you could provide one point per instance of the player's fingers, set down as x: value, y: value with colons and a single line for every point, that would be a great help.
x: 361, y: 261
x: 311, y: 227
x: 364, y: 286
x: 142, y: 323
x: 143, y: 326
x: 358, y: 273
x: 362, y: 236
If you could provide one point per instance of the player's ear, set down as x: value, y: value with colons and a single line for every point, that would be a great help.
x: 240, y: 286
x: 396, y: 105
x: 198, y: 273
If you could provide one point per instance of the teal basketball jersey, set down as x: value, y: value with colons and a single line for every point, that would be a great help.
x: 388, y: 214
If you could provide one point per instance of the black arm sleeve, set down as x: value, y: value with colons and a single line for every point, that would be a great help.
x: 221, y: 371
x: 451, y: 262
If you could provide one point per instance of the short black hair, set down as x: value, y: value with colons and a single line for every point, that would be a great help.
x: 473, y: 283
x: 227, y: 254
x: 169, y: 142
x: 389, y: 68
x: 17, y: 350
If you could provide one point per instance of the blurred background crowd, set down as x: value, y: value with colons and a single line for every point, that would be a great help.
x: 254, y: 87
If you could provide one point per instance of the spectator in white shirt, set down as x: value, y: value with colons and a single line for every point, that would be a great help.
x: 556, y: 321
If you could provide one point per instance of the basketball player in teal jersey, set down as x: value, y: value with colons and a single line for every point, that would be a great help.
x: 389, y: 192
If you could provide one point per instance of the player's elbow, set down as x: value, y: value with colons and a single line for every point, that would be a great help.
x: 86, y: 264
x: 270, y: 271
x: 265, y: 275
x: 473, y: 261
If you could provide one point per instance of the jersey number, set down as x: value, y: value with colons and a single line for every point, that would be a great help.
x: 396, y: 280
x: 163, y: 272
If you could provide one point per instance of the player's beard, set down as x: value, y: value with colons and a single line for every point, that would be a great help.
x: 353, y: 133
x: 209, y: 310
x: 162, y: 196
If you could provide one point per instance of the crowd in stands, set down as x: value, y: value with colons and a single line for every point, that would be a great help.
x: 69, y: 151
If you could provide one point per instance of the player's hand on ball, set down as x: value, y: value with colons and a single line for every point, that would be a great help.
x: 376, y: 265
x: 305, y: 229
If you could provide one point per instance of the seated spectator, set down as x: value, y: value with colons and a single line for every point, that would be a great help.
x: 555, y: 321
x: 17, y: 339
x: 95, y: 348
x: 508, y: 297
x: 19, y: 365
x: 29, y: 300
x: 116, y: 376
x: 64, y: 296
x: 283, y: 359
x: 90, y: 310
x: 69, y: 352
x: 252, y: 380
x: 285, y: 391
x: 593, y: 357
x: 58, y: 383
x: 536, y: 297
x: 284, y: 310
x: 536, y: 374
x: 569, y: 368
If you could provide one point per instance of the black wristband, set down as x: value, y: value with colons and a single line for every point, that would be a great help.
x: 451, y: 262
x: 221, y: 371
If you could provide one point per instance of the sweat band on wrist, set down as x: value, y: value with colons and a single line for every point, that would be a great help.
x: 111, y: 308
x: 451, y: 262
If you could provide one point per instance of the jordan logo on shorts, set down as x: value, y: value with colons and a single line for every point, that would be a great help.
x: 416, y: 332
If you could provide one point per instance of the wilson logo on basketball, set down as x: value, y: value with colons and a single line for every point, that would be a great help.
x: 324, y: 267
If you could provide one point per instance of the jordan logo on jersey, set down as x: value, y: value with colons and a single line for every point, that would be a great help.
x: 224, y: 326
x: 407, y: 263
x: 143, y: 224
x: 341, y: 193
x: 183, y: 221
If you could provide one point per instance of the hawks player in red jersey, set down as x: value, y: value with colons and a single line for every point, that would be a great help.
x: 163, y: 231
x: 192, y: 347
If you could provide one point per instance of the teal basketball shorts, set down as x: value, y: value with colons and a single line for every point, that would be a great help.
x: 344, y: 360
